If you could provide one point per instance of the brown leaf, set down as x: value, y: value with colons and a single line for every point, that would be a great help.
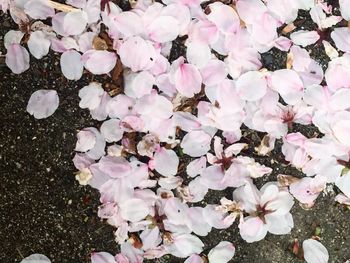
x: 103, y: 35
x: 99, y: 43
x: 136, y: 241
x: 117, y: 72
x: 286, y: 180
x: 288, y: 28
x: 129, y: 142
x: 289, y: 62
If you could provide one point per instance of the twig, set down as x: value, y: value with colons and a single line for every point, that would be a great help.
x: 19, y: 252
x: 62, y: 7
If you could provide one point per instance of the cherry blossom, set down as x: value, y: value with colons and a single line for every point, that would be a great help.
x: 268, y: 211
x: 175, y: 127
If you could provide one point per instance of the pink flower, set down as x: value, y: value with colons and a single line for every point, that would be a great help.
x: 268, y: 211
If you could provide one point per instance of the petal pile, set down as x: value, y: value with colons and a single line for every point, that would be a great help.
x: 189, y: 81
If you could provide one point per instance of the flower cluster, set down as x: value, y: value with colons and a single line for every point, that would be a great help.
x: 173, y: 132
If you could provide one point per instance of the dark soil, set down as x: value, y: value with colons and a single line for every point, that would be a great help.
x: 44, y: 210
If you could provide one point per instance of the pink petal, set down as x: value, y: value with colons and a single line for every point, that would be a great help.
x: 196, y: 143
x: 12, y: 37
x: 99, y: 61
x: 128, y: 23
x: 38, y: 44
x: 252, y: 229
x: 166, y: 162
x: 307, y: 189
x: 341, y: 38
x: 38, y: 9
x: 181, y: 13
x: 43, y: 103
x: 86, y: 141
x: 187, y: 80
x: 215, y: 218
x: 111, y: 130
x: 213, y: 72
x: 100, y: 113
x: 343, y: 183
x: 134, y: 209
x: 196, y: 166
x: 185, y: 244
x: 251, y: 86
x: 198, y: 53
x: 344, y: 9
x: 138, y: 84
x: 288, y: 84
x: 120, y: 106
x: 74, y: 23
x: 285, y: 10
x: 82, y: 161
x: 264, y: 30
x: 213, y: 178
x: 150, y: 238
x: 194, y: 258
x: 337, y: 74
x: 341, y: 131
x: 90, y: 96
x: 17, y: 58
x: 304, y: 38
x: 102, y: 257
x: 163, y: 29
x: 137, y: 54
x: 118, y: 191
x: 224, y: 17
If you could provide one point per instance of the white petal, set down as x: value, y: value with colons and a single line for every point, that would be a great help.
x: 86, y: 140
x: 74, y: 23
x: 134, y: 210
x: 38, y: 44
x: 99, y: 61
x: 166, y: 162
x: 71, y: 65
x: 315, y: 252
x: 38, y: 9
x: 91, y: 96
x: 251, y: 86
x: 304, y: 37
x: 43, y: 103
x: 17, y: 58
x: 36, y: 258
x: 12, y: 37
x: 196, y: 143
x: 111, y: 130
x: 222, y: 252
x: 102, y: 257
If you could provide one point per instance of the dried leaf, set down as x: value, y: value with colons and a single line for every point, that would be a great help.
x: 62, y: 7
x: 266, y: 146
x: 99, y: 43
x: 289, y: 62
x: 286, y: 180
x: 288, y: 28
x: 117, y: 72
x: 136, y: 241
